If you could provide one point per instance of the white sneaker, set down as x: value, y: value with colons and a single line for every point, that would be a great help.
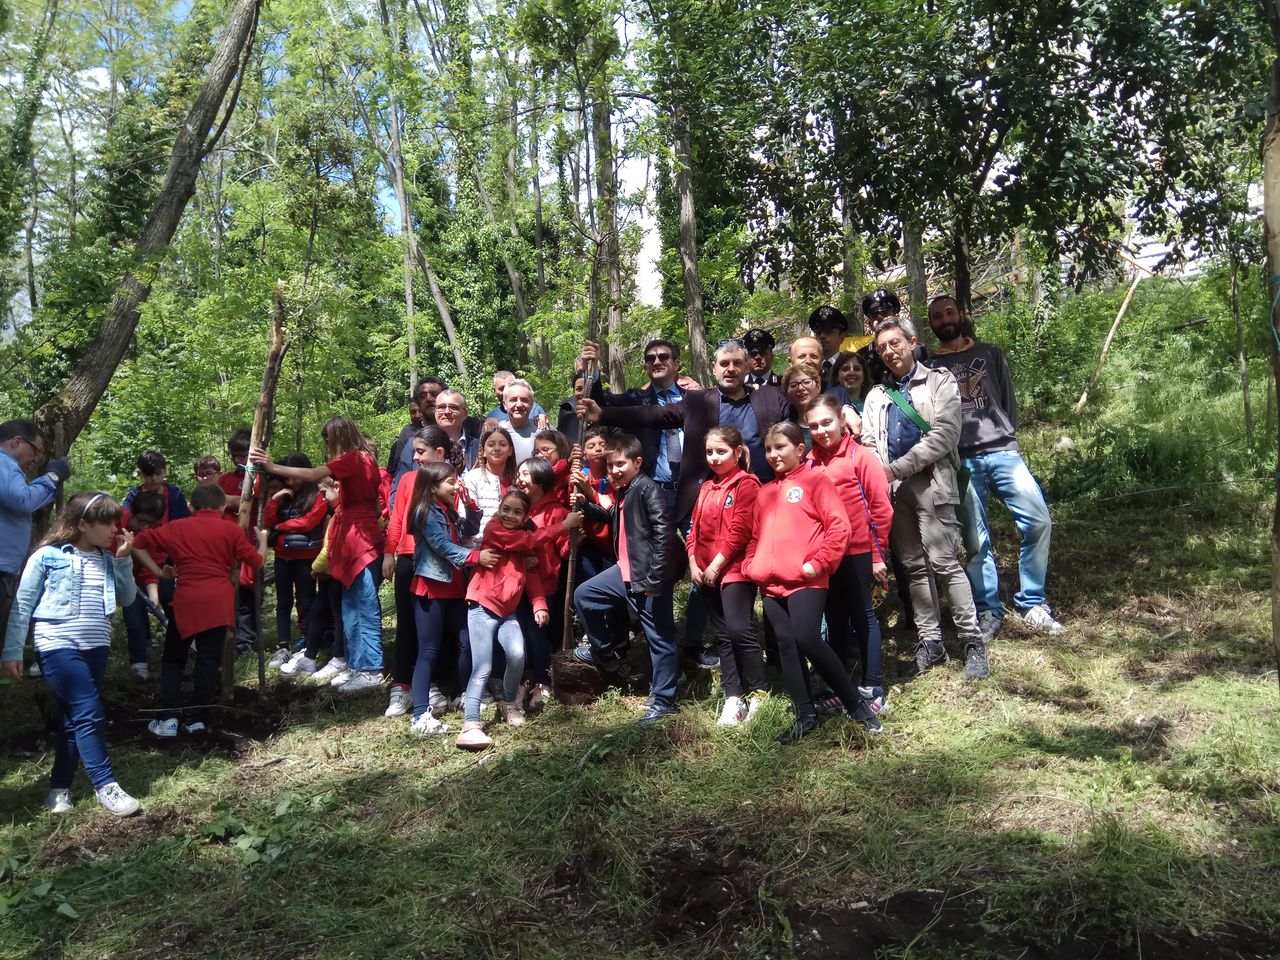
x: 734, y: 712
x: 279, y: 658
x: 1040, y: 618
x: 140, y: 670
x: 400, y: 704
x: 329, y: 670
x: 117, y: 801
x: 754, y: 702
x: 34, y: 670
x: 427, y: 726
x: 358, y: 681
x: 455, y: 705
x: 437, y: 702
x: 58, y: 800
x: 298, y: 665
x: 167, y: 729
x: 196, y: 728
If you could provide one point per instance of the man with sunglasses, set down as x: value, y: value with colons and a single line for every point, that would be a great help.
x: 21, y: 446
x: 760, y: 344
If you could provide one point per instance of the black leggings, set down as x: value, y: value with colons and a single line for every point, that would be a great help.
x: 405, y: 652
x: 326, y: 615
x: 850, y: 614
x: 293, y: 578
x: 741, y: 660
x: 797, y: 620
x: 208, y: 670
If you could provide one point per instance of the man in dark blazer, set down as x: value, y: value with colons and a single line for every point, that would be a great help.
x: 753, y: 412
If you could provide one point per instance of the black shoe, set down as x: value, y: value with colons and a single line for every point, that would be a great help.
x: 655, y: 714
x: 866, y: 717
x: 929, y: 655
x: 828, y: 704
x: 708, y: 661
x: 976, y: 664
x: 801, y: 727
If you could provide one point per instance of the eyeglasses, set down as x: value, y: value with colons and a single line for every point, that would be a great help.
x: 802, y: 383
x: 455, y: 407
x: 657, y: 357
x: 733, y: 342
x: 33, y: 445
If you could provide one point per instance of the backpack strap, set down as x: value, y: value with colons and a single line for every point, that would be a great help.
x: 905, y: 406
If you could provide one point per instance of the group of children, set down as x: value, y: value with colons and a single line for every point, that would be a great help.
x: 477, y: 561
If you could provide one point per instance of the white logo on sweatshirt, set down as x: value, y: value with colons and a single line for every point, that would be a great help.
x: 794, y: 495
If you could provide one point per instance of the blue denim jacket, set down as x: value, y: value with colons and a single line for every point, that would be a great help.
x: 50, y: 590
x: 436, y: 550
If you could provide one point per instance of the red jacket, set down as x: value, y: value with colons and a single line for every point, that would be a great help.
x: 307, y: 523
x: 499, y: 590
x: 203, y: 547
x: 551, y: 552
x: 799, y: 519
x: 602, y: 494
x: 723, y: 519
x: 560, y: 490
x: 399, y: 537
x: 847, y: 465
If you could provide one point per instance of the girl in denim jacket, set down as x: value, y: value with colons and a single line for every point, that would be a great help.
x: 439, y: 584
x: 68, y: 595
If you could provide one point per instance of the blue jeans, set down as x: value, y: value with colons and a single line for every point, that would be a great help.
x: 137, y: 621
x: 1005, y: 473
x: 483, y: 627
x: 437, y: 621
x: 605, y: 595
x: 76, y: 676
x: 362, y: 621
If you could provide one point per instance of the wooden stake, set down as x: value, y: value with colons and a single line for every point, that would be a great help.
x: 575, y: 536
x: 253, y: 496
x: 1106, y: 346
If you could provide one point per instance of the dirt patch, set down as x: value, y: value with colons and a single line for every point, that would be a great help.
x: 932, y: 920
x: 577, y: 684
x: 113, y: 836
x: 702, y: 892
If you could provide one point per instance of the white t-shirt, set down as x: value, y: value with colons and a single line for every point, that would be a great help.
x: 521, y: 439
x: 486, y: 491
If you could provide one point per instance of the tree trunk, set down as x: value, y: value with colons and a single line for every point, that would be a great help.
x: 607, y: 225
x: 29, y: 244
x: 693, y: 314
x: 71, y: 408
x: 917, y: 285
x: 1271, y: 231
x: 539, y: 251
x: 1240, y: 349
x: 960, y: 261
x: 850, y: 250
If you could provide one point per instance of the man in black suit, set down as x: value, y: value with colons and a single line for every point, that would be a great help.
x: 730, y: 404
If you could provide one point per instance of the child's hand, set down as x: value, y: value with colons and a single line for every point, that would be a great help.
x: 168, y: 572
x: 809, y: 571
x: 542, y: 421
x: 695, y: 573
x: 579, y: 480
x: 126, y: 544
x: 257, y: 455
x: 282, y: 494
x: 153, y: 593
x: 12, y: 669
x: 541, y: 617
x: 572, y: 520
x: 880, y: 573
x: 388, y: 567
x: 262, y: 541
x: 575, y: 453
x: 490, y: 558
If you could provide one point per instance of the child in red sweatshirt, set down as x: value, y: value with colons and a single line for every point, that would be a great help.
x: 203, y: 548
x: 719, y: 532
x: 492, y: 598
x: 801, y: 533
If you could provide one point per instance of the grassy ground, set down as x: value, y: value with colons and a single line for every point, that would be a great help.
x: 1110, y: 792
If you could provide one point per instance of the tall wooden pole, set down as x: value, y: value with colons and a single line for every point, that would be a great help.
x: 1106, y: 346
x: 575, y: 536
x: 253, y: 495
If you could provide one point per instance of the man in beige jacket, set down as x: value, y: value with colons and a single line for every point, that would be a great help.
x: 912, y: 422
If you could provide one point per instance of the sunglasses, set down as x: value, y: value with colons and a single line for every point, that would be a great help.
x: 657, y: 357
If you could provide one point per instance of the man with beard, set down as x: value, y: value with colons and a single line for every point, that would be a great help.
x: 989, y: 450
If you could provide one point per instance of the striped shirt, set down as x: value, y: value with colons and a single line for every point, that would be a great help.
x: 486, y: 490
x: 92, y: 628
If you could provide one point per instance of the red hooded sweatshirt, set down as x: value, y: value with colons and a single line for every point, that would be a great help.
x: 548, y: 513
x: 399, y: 536
x: 499, y: 590
x: 799, y: 519
x: 847, y: 465
x: 723, y: 519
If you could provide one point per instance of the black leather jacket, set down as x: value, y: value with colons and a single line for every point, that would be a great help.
x: 651, y: 548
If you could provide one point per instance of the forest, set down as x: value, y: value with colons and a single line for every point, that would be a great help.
x: 447, y: 189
